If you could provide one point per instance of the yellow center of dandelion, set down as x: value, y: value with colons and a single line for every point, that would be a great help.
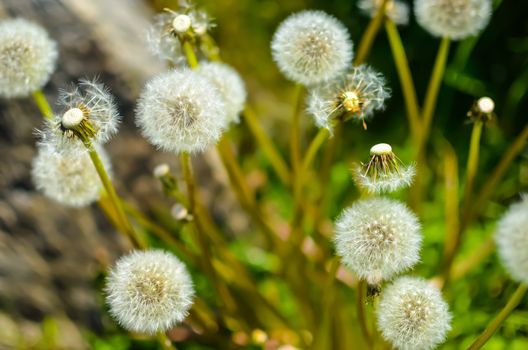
x: 351, y: 101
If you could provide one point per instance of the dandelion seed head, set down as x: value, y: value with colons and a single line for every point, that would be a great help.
x: 455, y: 19
x: 230, y: 86
x: 67, y: 175
x: 89, y: 111
x: 397, y: 11
x: 412, y: 315
x: 378, y: 238
x: 384, y: 172
x: 149, y: 291
x: 161, y: 42
x: 28, y: 57
x: 356, y: 95
x: 311, y: 47
x: 511, y: 237
x: 181, y: 111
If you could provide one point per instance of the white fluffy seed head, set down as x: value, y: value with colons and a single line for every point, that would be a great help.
x: 378, y: 238
x: 181, y: 111
x: 331, y: 101
x: 67, y: 175
x: 27, y: 57
x: 397, y: 11
x: 230, y: 86
x: 311, y: 47
x: 512, y: 240
x: 455, y: 19
x: 90, y: 102
x: 412, y: 315
x: 149, y: 291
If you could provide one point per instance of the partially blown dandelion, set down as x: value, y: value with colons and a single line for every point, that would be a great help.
x: 384, y: 172
x: 169, y: 28
x: 149, y: 291
x: 397, y: 11
x: 378, y: 238
x: 27, y: 57
x: 67, y: 175
x: 311, y: 46
x: 181, y: 111
x: 455, y: 19
x: 356, y: 95
x: 230, y: 86
x: 412, y: 315
x: 512, y: 240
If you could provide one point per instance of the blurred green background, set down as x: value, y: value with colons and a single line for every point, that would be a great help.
x: 494, y: 64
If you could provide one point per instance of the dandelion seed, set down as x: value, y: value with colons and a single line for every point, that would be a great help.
x: 149, y: 291
x: 384, y: 172
x: 455, y: 19
x: 27, y: 57
x: 67, y: 175
x: 412, y: 315
x: 311, y: 47
x: 356, y: 95
x: 181, y: 111
x: 230, y: 86
x: 512, y: 240
x: 397, y: 11
x: 378, y: 238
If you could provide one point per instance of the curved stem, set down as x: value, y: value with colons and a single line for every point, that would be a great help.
x: 165, y: 342
x: 42, y: 104
x: 497, y: 322
x: 407, y: 84
x: 114, y: 198
x: 277, y: 162
x: 370, y: 34
x: 324, y: 338
x: 314, y: 146
x: 295, y: 132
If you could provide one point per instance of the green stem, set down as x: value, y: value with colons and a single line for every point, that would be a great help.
x: 370, y: 34
x: 497, y: 322
x: 42, y: 104
x: 112, y: 195
x: 472, y: 163
x: 324, y: 338
x: 487, y: 189
x: 225, y: 298
x: 276, y: 160
x: 431, y: 95
x: 295, y: 132
x: 243, y: 191
x: 314, y: 146
x: 407, y: 84
x: 165, y: 342
x: 189, y: 54
x: 362, y: 312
